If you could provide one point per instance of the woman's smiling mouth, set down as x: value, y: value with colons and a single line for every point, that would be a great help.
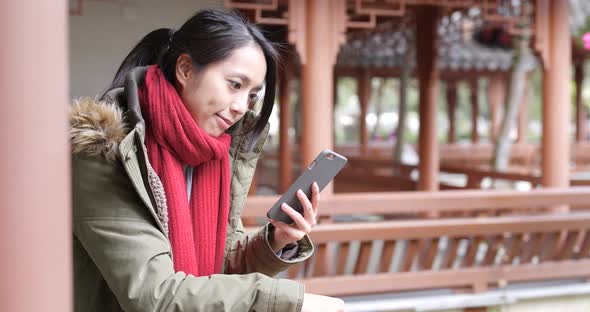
x: 225, y: 123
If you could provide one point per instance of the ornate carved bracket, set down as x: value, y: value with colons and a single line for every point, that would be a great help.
x: 364, y: 14
x: 291, y: 13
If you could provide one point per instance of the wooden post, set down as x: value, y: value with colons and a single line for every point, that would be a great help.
x: 474, y: 98
x: 556, y: 100
x: 428, y: 74
x: 317, y: 84
x: 364, y: 92
x: 496, y: 96
x: 580, y: 108
x: 451, y: 109
x: 35, y: 187
x: 285, y: 155
x: 321, y: 44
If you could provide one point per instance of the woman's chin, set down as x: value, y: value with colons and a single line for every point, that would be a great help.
x: 215, y: 132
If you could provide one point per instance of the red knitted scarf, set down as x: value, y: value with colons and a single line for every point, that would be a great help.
x: 173, y: 140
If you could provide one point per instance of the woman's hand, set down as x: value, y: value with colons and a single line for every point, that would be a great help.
x: 317, y: 303
x: 286, y: 234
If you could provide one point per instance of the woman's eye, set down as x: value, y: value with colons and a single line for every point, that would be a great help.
x: 252, y: 100
x: 234, y: 84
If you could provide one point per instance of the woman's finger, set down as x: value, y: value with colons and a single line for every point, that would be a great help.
x: 308, y: 213
x: 301, y: 223
x: 293, y: 233
x: 315, y: 198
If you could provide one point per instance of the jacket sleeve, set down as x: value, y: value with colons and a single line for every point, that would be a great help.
x: 134, y: 256
x: 252, y: 253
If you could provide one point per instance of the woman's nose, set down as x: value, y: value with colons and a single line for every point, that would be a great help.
x: 239, y: 106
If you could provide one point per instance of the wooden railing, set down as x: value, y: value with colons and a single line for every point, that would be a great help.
x: 446, y: 253
x: 354, y: 258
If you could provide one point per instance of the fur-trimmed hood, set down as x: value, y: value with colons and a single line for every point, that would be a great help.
x: 96, y: 128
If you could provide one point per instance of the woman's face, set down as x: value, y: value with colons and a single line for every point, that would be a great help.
x: 219, y: 95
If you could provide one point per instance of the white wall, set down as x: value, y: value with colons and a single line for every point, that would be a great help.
x: 105, y: 33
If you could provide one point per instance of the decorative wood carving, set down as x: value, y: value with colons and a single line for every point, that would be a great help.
x: 365, y: 14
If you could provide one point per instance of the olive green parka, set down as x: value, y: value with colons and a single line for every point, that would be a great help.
x: 122, y: 255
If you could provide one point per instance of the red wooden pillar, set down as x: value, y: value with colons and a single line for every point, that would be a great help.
x: 35, y: 196
x: 428, y: 74
x: 285, y: 155
x: 474, y: 99
x: 496, y: 97
x: 364, y: 91
x: 580, y: 108
x: 317, y: 84
x: 556, y: 100
x: 451, y: 109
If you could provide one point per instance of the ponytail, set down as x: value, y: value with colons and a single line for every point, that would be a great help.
x: 148, y: 51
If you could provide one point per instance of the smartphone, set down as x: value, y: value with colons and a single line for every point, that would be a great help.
x: 322, y: 170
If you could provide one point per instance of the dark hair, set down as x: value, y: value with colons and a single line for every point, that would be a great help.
x: 208, y: 37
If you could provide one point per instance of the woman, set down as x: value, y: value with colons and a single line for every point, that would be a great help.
x: 161, y: 168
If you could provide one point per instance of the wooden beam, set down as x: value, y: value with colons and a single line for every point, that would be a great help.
x: 414, y: 229
x: 413, y: 202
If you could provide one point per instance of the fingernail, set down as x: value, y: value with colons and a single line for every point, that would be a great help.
x: 300, y: 192
x: 283, y: 206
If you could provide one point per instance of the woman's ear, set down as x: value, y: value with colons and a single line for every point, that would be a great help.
x: 184, y: 70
